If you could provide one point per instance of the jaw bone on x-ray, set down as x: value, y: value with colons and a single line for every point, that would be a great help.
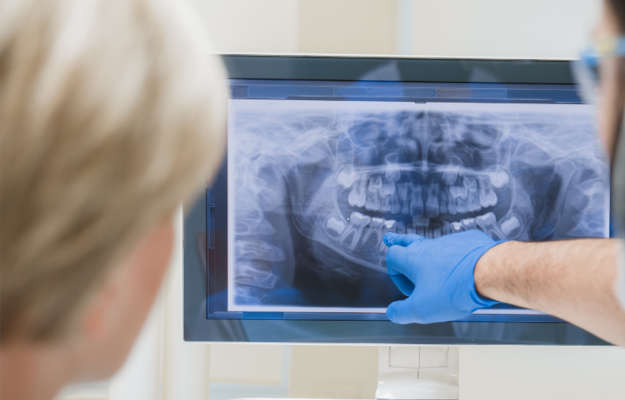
x: 314, y: 185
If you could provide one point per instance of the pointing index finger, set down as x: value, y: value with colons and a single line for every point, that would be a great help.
x: 398, y: 239
x: 399, y: 261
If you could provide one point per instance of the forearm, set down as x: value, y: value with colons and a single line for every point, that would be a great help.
x: 572, y: 279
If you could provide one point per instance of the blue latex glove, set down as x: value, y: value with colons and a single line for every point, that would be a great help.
x: 436, y: 275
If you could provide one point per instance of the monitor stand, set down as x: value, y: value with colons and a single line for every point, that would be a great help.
x: 417, y: 373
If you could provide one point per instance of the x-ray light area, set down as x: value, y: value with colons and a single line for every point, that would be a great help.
x: 314, y: 185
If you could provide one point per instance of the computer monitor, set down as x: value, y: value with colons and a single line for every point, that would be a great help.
x: 326, y: 154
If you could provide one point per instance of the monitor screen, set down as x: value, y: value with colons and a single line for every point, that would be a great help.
x: 317, y: 170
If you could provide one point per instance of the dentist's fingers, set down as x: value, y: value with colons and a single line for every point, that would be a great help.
x: 402, y: 283
x: 400, y: 312
x: 399, y: 261
x: 398, y: 239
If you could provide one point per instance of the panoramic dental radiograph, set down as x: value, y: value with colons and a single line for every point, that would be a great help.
x: 314, y: 185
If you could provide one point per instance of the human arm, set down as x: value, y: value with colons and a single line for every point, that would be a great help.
x: 571, y: 279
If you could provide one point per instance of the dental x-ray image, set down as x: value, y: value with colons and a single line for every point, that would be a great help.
x: 314, y: 185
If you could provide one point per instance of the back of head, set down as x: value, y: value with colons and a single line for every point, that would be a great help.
x: 113, y: 112
x: 618, y: 8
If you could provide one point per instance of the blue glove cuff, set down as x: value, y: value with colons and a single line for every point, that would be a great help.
x: 480, y: 301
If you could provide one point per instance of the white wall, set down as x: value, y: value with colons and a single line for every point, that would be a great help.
x: 242, y: 26
x: 542, y: 373
x: 501, y: 28
x: 348, y: 26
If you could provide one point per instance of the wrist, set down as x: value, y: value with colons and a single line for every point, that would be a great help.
x: 485, y: 274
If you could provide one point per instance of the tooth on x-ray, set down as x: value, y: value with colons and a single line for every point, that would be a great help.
x: 389, y: 225
x: 456, y: 226
x: 359, y: 219
x: 498, y: 178
x: 358, y: 194
x: 335, y: 225
x: 392, y: 174
x: 341, y: 174
x: 346, y: 176
x: 510, y: 225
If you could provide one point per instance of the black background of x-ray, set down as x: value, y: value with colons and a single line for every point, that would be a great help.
x: 205, y: 230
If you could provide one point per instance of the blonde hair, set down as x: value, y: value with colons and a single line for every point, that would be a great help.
x: 112, y: 112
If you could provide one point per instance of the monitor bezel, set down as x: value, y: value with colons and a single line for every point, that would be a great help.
x: 543, y: 330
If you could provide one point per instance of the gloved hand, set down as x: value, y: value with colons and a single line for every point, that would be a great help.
x: 436, y: 275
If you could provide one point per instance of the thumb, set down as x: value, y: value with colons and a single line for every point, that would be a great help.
x: 399, y: 312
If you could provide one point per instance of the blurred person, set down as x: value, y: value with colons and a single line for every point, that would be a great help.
x: 581, y: 281
x: 113, y: 113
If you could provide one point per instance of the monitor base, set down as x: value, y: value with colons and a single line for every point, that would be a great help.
x: 417, y: 373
